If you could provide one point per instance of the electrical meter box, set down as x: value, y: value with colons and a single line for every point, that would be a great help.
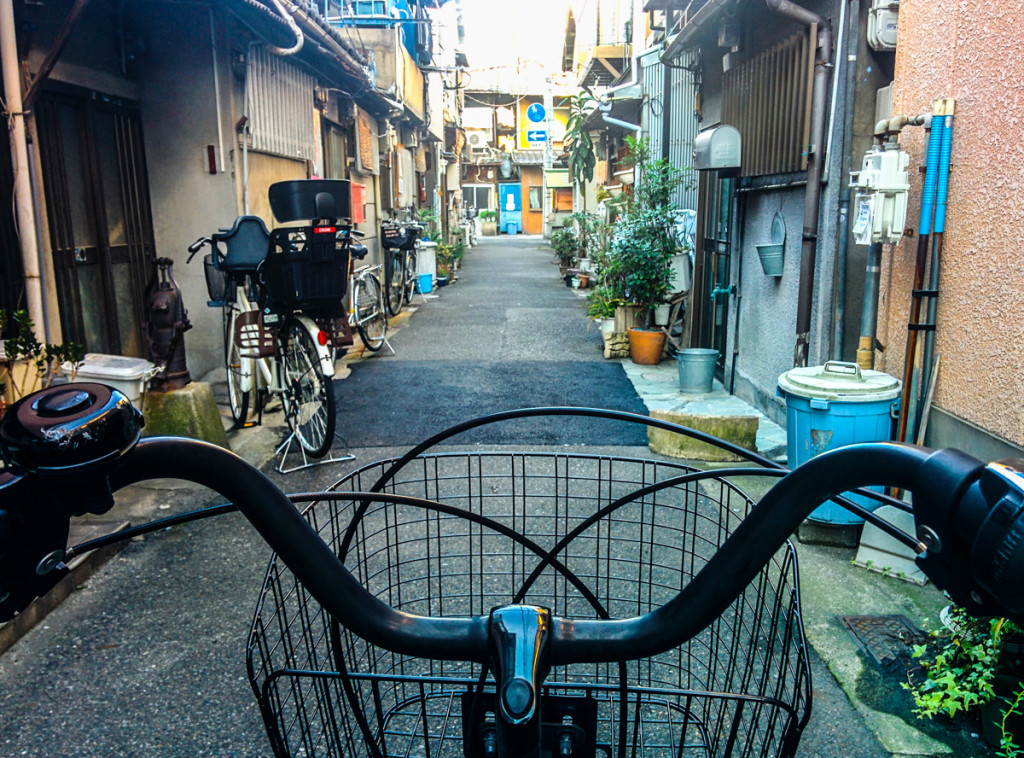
x: 882, y: 24
x: 880, y: 207
x: 717, y: 149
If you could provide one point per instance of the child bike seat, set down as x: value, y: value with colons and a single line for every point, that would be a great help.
x: 245, y: 245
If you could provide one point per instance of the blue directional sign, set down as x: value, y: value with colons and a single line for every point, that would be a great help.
x: 536, y: 135
x: 536, y: 113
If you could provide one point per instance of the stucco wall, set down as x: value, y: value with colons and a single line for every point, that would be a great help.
x: 971, y: 52
x: 179, y: 118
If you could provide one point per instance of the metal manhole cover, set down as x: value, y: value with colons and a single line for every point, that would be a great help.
x: 887, y: 639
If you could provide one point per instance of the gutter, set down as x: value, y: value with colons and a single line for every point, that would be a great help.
x: 674, y: 45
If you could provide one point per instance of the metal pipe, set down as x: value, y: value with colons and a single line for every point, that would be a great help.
x: 812, y: 197
x: 606, y: 108
x: 37, y: 215
x: 23, y: 205
x: 216, y: 90
x: 842, y: 64
x: 869, y: 311
x: 842, y: 249
x: 923, y: 233
x: 300, y: 39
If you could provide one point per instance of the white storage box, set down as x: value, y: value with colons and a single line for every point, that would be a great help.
x: 129, y: 375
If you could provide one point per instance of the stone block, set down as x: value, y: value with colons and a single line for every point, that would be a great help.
x: 739, y: 430
x: 187, y: 412
x: 616, y: 344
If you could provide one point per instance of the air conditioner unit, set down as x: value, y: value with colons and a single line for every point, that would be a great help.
x: 882, y: 24
x: 478, y: 139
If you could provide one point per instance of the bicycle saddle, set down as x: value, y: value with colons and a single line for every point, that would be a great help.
x: 358, y: 250
x: 245, y: 244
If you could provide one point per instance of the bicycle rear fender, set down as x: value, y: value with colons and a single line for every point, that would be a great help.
x: 322, y: 352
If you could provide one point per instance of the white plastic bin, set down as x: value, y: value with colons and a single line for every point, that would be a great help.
x: 129, y: 375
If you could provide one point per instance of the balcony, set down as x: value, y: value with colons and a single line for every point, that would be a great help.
x: 395, y: 72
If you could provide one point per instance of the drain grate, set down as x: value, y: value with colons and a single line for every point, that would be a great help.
x: 887, y: 639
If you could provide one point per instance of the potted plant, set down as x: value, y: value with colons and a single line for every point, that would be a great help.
x: 488, y: 222
x: 974, y: 665
x: 601, y: 305
x: 26, y: 364
x: 643, y: 243
x: 445, y: 263
x: 566, y: 246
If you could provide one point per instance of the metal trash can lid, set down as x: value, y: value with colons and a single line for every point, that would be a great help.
x: 837, y: 380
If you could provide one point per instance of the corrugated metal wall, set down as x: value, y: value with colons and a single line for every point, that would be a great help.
x: 279, y: 103
x: 680, y: 118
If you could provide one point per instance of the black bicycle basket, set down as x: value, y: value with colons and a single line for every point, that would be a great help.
x: 307, y: 267
x: 740, y: 687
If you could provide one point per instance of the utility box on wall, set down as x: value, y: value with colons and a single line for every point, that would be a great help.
x: 883, y: 21
x: 718, y: 149
x: 880, y: 213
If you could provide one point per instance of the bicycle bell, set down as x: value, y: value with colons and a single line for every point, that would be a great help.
x: 69, y: 429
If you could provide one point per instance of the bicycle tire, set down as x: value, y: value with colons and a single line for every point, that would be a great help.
x: 237, y: 366
x: 371, y: 322
x: 308, y: 398
x: 394, y: 281
x: 411, y: 276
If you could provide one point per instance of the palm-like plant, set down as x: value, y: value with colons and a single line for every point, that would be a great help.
x: 578, y: 143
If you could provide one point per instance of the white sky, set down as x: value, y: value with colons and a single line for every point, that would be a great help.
x: 500, y: 31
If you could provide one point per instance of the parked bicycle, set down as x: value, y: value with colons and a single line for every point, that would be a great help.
x: 366, y: 300
x: 505, y: 605
x: 400, y: 262
x: 282, y: 295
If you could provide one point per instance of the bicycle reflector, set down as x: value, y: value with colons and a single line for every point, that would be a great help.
x: 69, y: 429
x: 321, y: 337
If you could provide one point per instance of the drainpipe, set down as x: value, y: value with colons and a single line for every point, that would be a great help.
x: 812, y: 197
x: 24, y: 207
x: 850, y: 76
x: 299, y: 39
x: 606, y: 109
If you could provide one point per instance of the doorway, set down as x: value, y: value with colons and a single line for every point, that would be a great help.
x: 100, y: 223
x: 716, y: 253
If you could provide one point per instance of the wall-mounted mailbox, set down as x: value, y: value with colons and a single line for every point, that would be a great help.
x: 717, y: 149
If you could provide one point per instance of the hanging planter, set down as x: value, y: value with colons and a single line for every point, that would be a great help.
x: 771, y: 255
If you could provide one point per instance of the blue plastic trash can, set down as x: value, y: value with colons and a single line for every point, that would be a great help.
x: 835, y: 405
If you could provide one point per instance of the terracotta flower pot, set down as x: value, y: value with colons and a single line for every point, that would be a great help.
x: 646, y: 346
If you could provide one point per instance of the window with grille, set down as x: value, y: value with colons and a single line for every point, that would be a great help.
x: 768, y: 99
x: 279, y: 103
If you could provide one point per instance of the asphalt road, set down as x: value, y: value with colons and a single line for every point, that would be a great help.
x: 147, y: 659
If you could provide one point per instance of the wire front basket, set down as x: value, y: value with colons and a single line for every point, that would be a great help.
x: 739, y: 688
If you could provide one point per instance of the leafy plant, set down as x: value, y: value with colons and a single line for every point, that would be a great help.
x: 23, y: 345
x: 602, y: 302
x: 578, y: 143
x: 960, y: 672
x: 567, y: 246
x: 644, y: 240
x: 488, y: 215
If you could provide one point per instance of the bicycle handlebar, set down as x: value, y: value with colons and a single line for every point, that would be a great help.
x: 968, y: 517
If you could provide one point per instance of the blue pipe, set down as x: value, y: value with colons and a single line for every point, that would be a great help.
x: 930, y: 165
x: 942, y: 186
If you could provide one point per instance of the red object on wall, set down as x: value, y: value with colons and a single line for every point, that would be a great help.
x: 358, y: 203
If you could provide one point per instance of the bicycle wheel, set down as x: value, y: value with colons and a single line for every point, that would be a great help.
x: 394, y: 280
x: 240, y: 371
x: 308, y: 397
x: 371, y: 323
x: 411, y: 276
